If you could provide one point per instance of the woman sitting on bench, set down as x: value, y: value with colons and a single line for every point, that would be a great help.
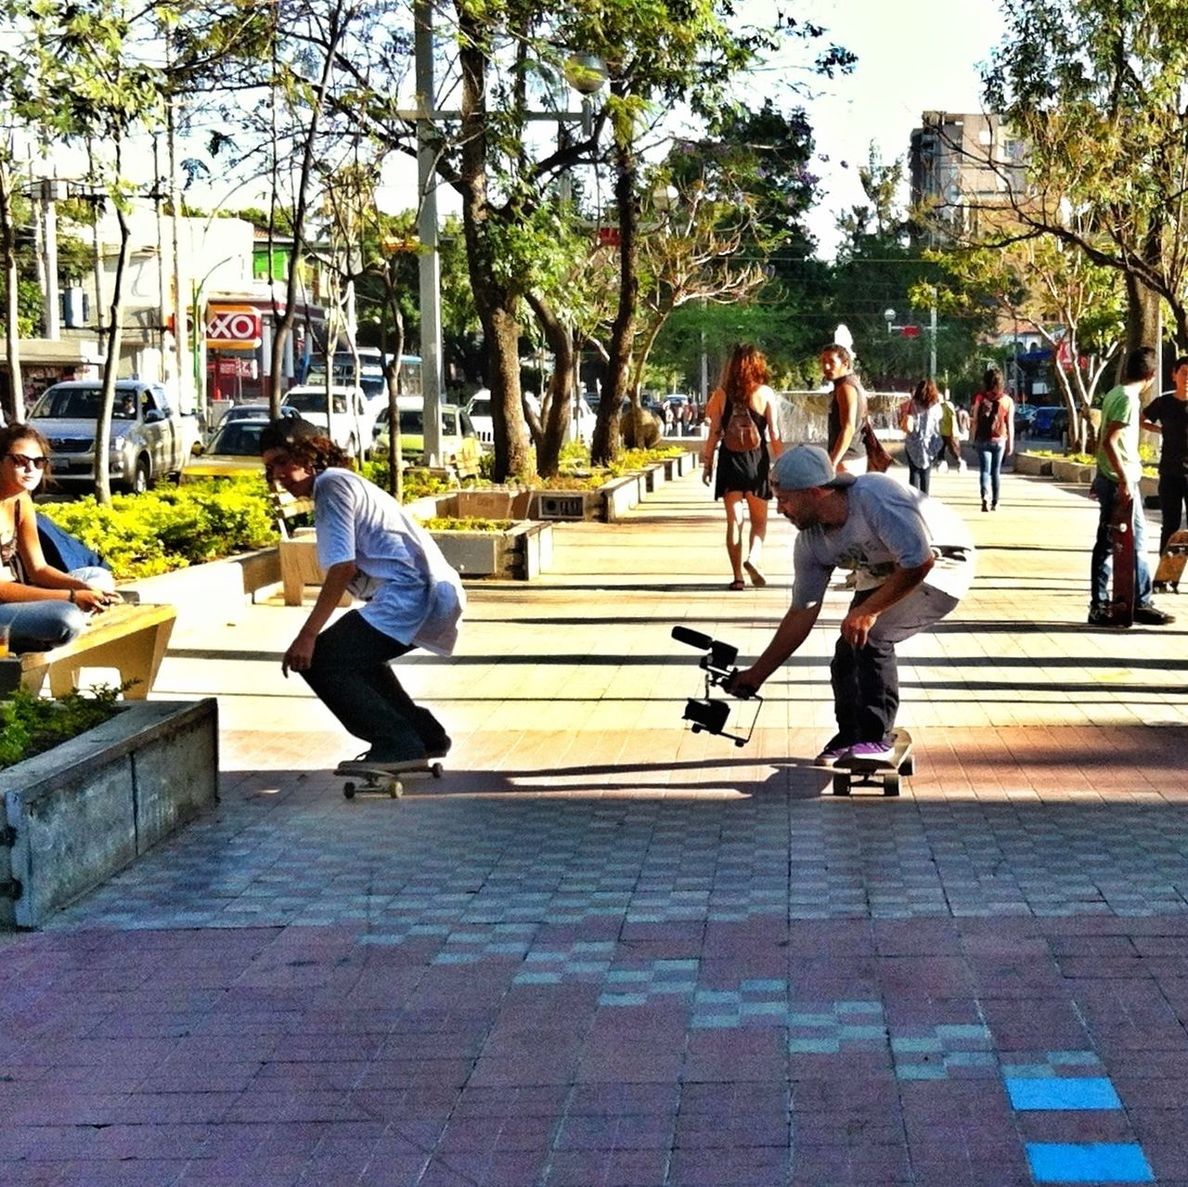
x: 42, y: 606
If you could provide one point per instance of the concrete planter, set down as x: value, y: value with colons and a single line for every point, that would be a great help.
x: 79, y: 813
x: 1072, y: 472
x: 1033, y: 464
x: 522, y: 552
x: 621, y: 494
x: 213, y: 593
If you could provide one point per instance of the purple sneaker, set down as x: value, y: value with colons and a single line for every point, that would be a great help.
x: 871, y: 752
x: 835, y: 749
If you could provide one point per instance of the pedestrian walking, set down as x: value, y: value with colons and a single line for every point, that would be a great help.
x: 1118, y: 474
x: 1167, y: 415
x: 370, y: 547
x: 993, y: 434
x: 950, y: 428
x: 920, y: 419
x: 742, y: 429
x: 914, y: 561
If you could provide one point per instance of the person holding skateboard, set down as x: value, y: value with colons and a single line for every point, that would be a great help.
x: 1167, y: 415
x: 914, y: 561
x: 369, y: 547
x: 1117, y: 478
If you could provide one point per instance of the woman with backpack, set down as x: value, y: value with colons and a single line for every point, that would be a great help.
x: 993, y: 434
x: 741, y: 416
x: 920, y: 419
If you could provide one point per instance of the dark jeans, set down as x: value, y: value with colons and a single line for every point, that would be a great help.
x: 351, y: 676
x: 1173, y: 497
x: 1101, y: 563
x: 919, y: 476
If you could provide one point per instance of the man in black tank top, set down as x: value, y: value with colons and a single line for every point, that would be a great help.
x: 847, y: 411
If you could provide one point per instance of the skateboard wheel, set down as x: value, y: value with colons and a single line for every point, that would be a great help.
x: 841, y: 783
x: 909, y: 767
x: 435, y: 768
x: 348, y: 790
x: 394, y: 788
x: 891, y: 784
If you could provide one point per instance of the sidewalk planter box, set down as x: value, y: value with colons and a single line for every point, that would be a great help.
x: 522, y: 552
x: 1072, y: 472
x: 1033, y: 464
x: 621, y: 494
x: 212, y: 594
x: 84, y: 810
x: 655, y: 476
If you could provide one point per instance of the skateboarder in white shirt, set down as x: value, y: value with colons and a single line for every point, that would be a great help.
x: 370, y: 547
x: 914, y: 561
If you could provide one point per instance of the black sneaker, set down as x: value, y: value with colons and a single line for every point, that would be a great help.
x: 438, y: 747
x: 1099, y: 616
x: 1152, y: 616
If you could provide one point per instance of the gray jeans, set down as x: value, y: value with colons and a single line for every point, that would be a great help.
x: 866, y: 679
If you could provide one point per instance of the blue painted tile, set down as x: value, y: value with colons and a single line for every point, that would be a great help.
x: 1096, y: 1162
x: 1062, y: 1092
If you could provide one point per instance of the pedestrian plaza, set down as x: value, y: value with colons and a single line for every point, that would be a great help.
x: 604, y: 951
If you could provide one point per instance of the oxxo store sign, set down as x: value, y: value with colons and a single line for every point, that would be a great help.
x: 233, y: 327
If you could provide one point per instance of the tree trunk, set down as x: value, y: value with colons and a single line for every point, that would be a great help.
x: 622, y: 338
x: 111, y: 366
x: 559, y: 402
x: 14, y: 407
x: 494, y: 301
x: 283, y: 323
x: 1142, y: 315
x: 392, y: 380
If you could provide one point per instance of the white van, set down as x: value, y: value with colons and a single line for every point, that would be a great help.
x: 351, y: 418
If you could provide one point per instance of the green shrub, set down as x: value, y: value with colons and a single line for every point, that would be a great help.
x: 448, y: 523
x: 173, y: 526
x: 33, y: 724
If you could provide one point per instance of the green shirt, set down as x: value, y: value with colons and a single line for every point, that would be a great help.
x: 1120, y: 407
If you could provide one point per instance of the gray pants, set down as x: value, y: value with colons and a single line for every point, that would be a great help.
x: 866, y: 679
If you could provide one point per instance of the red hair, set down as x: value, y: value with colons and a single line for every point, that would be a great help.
x: 746, y: 370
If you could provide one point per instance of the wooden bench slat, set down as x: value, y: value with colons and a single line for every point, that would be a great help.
x: 131, y: 638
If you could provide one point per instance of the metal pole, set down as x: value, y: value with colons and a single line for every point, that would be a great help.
x: 49, y: 193
x: 932, y: 339
x: 430, y: 263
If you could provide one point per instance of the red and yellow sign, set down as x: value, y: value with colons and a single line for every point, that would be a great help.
x: 233, y: 327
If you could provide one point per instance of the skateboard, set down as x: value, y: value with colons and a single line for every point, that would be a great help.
x: 865, y: 773
x: 1172, y: 562
x: 383, y: 780
x: 1120, y: 609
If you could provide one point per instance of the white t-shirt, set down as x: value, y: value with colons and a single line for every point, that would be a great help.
x: 412, y: 593
x: 888, y: 526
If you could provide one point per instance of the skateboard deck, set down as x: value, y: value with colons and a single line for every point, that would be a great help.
x: 885, y: 775
x: 1120, y: 609
x: 1172, y: 561
x: 370, y: 779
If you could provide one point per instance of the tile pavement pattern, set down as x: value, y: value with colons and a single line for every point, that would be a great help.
x: 605, y: 952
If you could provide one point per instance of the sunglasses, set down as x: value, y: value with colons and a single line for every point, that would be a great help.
x: 25, y: 462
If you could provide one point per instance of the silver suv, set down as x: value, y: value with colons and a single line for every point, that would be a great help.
x: 149, y: 440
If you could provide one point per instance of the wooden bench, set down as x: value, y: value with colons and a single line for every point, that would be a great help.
x: 297, y: 549
x: 131, y: 638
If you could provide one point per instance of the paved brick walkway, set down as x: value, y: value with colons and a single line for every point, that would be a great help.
x: 604, y: 951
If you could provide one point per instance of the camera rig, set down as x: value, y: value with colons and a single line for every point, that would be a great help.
x: 709, y: 712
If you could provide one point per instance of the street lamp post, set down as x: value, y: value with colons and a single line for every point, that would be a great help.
x: 199, y: 347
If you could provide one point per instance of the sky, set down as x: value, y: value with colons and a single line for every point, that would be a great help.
x: 913, y: 56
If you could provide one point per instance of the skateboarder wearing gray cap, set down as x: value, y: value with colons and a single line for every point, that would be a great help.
x: 914, y: 561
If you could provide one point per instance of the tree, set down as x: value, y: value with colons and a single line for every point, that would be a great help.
x: 1093, y: 91
x: 1051, y: 288
x: 89, y: 81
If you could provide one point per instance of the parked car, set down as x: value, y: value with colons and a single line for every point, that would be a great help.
x: 479, y: 411
x: 234, y: 448
x: 150, y: 439
x: 351, y: 421
x: 460, y: 448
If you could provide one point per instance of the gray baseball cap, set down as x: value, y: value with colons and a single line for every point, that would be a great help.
x: 804, y: 466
